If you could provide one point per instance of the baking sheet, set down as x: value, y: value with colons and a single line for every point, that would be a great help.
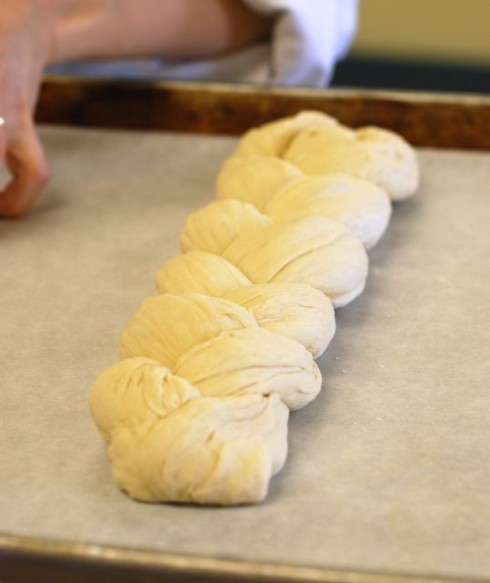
x: 388, y: 469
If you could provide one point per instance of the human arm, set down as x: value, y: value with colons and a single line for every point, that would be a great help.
x: 35, y: 33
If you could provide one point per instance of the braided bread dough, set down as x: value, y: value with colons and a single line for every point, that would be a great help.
x: 312, y: 249
x: 362, y: 206
x: 254, y: 179
x: 197, y: 409
x: 272, y: 139
x: 317, y: 144
x: 168, y: 442
x: 371, y: 153
x: 296, y: 310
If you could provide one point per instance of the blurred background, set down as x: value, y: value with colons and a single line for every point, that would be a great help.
x: 432, y: 45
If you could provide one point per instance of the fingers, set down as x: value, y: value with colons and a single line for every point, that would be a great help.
x: 26, y: 161
x: 24, y: 42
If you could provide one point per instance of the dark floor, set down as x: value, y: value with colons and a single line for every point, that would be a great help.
x: 392, y: 74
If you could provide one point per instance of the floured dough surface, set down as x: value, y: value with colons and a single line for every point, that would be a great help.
x: 360, y: 205
x: 370, y: 153
x: 272, y: 139
x: 295, y: 310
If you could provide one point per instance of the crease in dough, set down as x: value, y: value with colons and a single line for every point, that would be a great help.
x: 296, y: 310
x: 371, y: 153
x: 168, y: 325
x: 252, y: 360
x: 273, y: 138
x: 215, y: 226
x: 136, y: 389
x: 199, y: 272
x: 254, y: 179
x: 218, y: 451
x: 362, y: 206
x: 314, y: 250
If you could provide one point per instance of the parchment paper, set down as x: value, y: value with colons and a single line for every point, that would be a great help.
x: 388, y: 469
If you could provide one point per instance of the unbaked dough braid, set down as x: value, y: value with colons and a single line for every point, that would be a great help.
x: 312, y: 249
x: 317, y: 144
x: 359, y: 204
x: 168, y: 442
x: 197, y: 409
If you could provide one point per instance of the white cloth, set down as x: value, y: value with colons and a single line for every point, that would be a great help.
x: 308, y: 38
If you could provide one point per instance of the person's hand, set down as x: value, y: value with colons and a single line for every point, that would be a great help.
x: 34, y: 33
x: 24, y: 49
